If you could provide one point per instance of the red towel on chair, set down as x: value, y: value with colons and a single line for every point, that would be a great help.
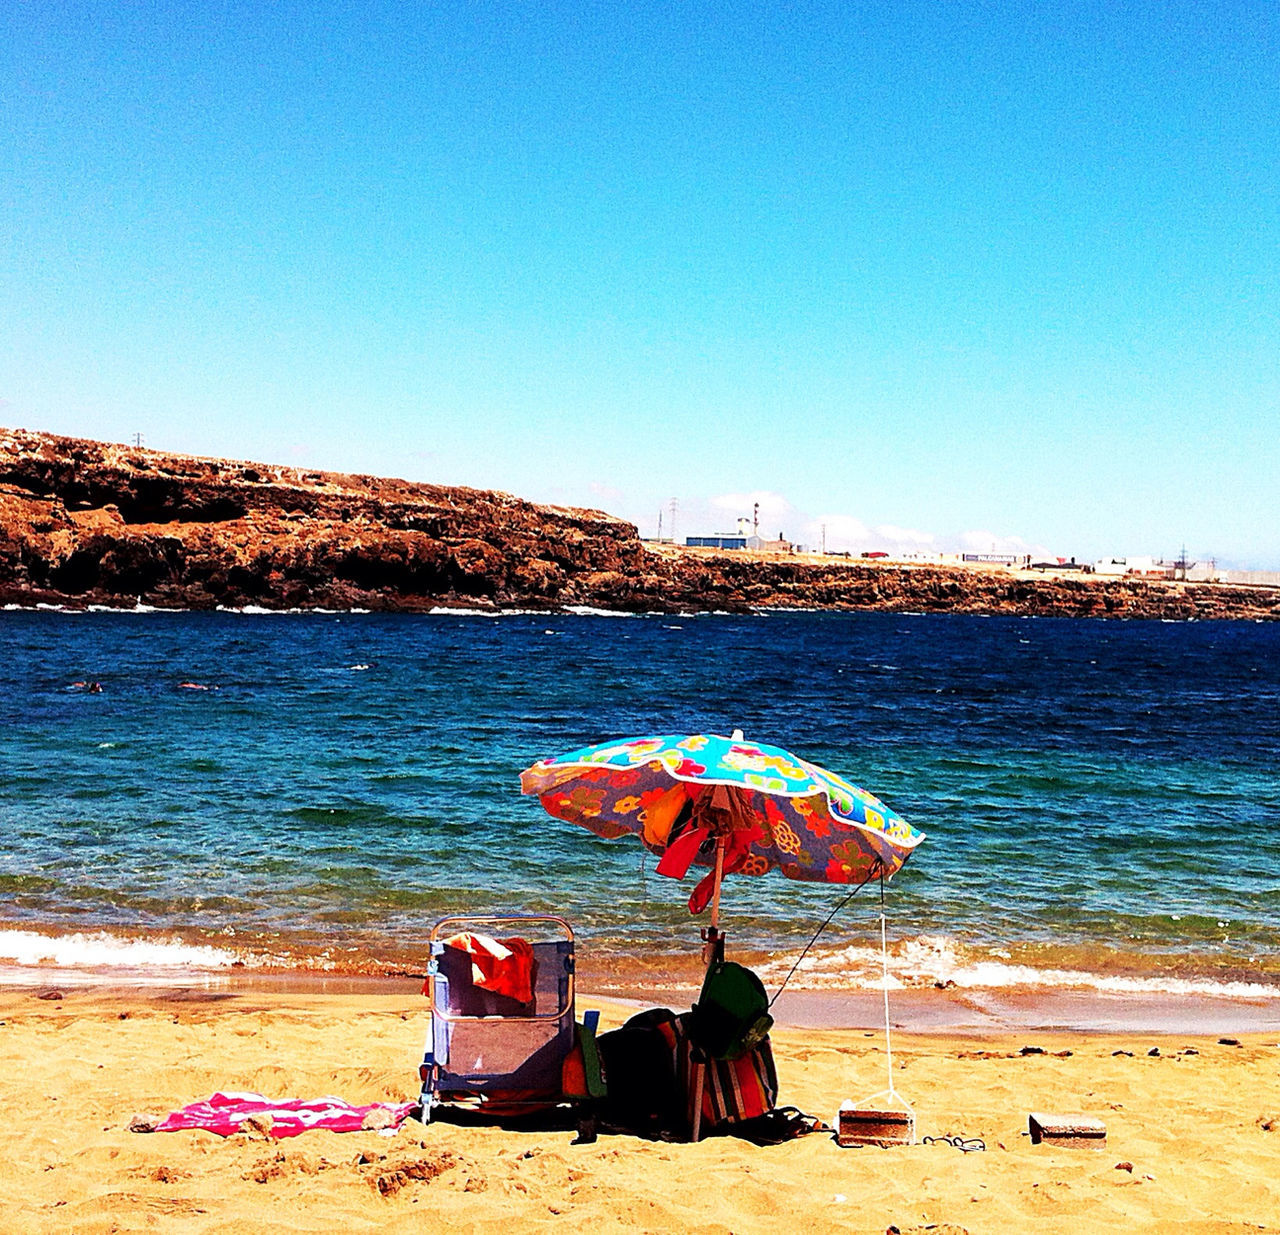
x: 502, y: 966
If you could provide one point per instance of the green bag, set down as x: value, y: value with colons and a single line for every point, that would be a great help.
x: 732, y: 1012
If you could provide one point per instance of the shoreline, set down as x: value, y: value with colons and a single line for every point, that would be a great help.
x: 961, y: 1012
x: 73, y: 606
x: 834, y: 994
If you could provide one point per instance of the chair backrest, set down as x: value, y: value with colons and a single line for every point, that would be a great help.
x: 466, y: 998
x: 484, y: 1040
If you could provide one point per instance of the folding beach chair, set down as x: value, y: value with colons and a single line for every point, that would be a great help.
x: 503, y: 1037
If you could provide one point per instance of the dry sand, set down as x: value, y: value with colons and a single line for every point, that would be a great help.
x: 1200, y: 1131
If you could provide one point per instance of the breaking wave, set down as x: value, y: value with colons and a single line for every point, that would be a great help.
x: 937, y: 961
x: 100, y: 951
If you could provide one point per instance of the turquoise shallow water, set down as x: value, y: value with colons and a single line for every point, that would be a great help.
x: 1100, y: 798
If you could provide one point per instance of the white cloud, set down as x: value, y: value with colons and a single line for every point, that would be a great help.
x: 981, y: 541
x: 847, y: 533
x: 843, y: 533
x: 772, y: 505
x: 904, y: 537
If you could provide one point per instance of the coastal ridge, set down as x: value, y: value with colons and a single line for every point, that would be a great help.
x: 93, y: 523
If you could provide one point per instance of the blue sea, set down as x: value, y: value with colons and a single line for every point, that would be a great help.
x: 314, y: 791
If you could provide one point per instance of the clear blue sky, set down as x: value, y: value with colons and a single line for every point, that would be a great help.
x: 926, y: 273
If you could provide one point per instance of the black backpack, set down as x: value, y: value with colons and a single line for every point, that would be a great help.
x: 642, y: 1078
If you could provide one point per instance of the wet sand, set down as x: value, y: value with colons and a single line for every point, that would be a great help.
x: 1193, y: 1130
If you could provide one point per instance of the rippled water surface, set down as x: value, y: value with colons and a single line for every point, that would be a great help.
x: 1098, y: 796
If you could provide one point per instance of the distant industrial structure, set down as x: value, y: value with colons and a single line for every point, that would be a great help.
x: 1182, y: 569
x: 746, y: 537
x: 733, y: 540
x: 721, y: 540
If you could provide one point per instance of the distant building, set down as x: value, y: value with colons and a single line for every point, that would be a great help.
x: 726, y: 541
x: 1197, y: 572
x: 1062, y: 564
x: 770, y: 546
x: 998, y: 559
x: 1143, y: 566
x: 1253, y: 578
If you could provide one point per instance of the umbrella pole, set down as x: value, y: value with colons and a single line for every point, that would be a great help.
x: 715, y: 887
x: 712, y: 951
x: 713, y: 939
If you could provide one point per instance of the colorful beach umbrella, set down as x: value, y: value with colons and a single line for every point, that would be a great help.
x: 738, y: 807
x: 735, y: 806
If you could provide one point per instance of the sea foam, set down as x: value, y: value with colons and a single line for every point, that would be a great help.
x: 939, y: 961
x: 98, y: 950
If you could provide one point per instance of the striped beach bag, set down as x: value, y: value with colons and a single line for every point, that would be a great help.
x: 727, y: 1048
x: 734, y: 1090
x: 651, y: 1069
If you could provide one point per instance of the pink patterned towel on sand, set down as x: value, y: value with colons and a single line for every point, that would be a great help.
x: 225, y: 1112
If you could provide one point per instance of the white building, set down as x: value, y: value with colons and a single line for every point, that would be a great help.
x: 1145, y: 565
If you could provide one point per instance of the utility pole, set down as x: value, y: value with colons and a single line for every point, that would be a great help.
x: 675, y: 505
x: 824, y: 540
x: 755, y: 521
x: 139, y: 439
x: 659, y: 525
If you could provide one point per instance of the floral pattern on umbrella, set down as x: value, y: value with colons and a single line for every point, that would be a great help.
x: 775, y: 809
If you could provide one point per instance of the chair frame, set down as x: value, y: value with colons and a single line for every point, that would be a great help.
x: 440, y: 1083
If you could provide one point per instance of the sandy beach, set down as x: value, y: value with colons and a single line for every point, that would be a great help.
x: 1193, y: 1130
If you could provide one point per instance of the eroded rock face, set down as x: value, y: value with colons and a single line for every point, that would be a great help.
x: 86, y: 522
x: 89, y: 522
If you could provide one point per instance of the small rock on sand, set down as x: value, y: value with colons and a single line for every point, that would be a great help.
x: 143, y: 1123
x: 258, y: 1127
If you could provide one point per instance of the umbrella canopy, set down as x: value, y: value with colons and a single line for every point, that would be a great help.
x: 744, y: 807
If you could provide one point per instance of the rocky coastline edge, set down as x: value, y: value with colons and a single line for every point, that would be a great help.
x: 86, y: 523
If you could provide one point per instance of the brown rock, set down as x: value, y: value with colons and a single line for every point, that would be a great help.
x: 85, y: 522
x: 257, y: 1127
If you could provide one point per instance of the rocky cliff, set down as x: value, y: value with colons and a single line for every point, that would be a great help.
x: 86, y: 522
